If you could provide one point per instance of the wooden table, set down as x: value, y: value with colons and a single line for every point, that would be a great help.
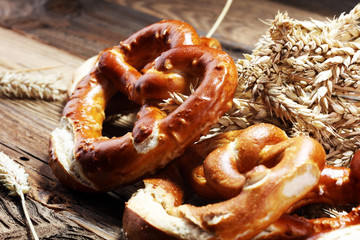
x: 61, y: 34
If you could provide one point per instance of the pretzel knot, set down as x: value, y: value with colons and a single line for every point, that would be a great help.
x: 337, y: 186
x: 268, y: 171
x: 138, y: 74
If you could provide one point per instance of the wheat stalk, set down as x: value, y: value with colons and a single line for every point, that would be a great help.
x: 14, y: 178
x: 31, y: 83
x: 220, y: 18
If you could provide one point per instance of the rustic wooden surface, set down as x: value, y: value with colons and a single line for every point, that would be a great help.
x: 61, y: 34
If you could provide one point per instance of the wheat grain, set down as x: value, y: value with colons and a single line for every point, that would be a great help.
x: 14, y: 178
x: 31, y: 84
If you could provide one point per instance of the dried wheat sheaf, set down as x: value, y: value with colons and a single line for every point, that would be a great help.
x: 304, y: 77
x: 306, y: 74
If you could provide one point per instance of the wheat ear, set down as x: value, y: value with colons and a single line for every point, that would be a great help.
x: 14, y: 178
x: 31, y: 83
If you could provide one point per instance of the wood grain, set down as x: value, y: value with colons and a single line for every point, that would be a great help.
x: 48, y: 224
x: 82, y: 27
x: 243, y: 25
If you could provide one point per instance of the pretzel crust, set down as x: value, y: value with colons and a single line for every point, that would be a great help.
x: 85, y: 160
x: 337, y: 185
x: 265, y: 196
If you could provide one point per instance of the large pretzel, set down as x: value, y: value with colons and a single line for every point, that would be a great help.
x: 162, y: 58
x: 293, y: 168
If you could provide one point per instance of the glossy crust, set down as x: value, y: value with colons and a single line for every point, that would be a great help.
x: 295, y: 166
x: 267, y: 193
x: 85, y: 160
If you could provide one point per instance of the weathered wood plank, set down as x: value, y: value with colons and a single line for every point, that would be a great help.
x: 242, y: 26
x: 48, y: 223
x: 86, y: 27
x: 82, y: 27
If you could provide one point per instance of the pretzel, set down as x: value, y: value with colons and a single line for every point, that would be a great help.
x: 140, y: 72
x: 233, y: 153
x: 337, y: 185
x: 293, y: 168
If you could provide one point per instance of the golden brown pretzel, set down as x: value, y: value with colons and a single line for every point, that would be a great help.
x: 294, y: 167
x: 337, y: 185
x: 224, y: 168
x: 84, y: 159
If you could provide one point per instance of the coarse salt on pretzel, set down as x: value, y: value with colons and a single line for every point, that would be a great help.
x: 160, y: 58
x: 293, y: 168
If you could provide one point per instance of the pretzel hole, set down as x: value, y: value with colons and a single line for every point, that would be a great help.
x: 120, y: 116
x: 167, y: 84
x: 119, y: 124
